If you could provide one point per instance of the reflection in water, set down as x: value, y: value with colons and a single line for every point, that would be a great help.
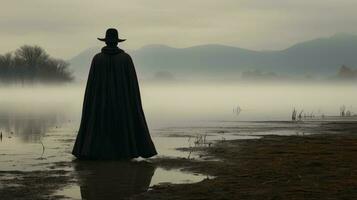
x: 118, y: 180
x: 113, y: 179
x: 30, y: 127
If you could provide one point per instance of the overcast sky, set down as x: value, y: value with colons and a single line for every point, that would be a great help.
x: 66, y: 27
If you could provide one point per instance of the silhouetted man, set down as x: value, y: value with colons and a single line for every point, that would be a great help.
x: 113, y: 124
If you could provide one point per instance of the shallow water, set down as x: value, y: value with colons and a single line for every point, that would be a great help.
x: 42, y: 148
x: 38, y: 127
x: 44, y: 144
x: 136, y: 185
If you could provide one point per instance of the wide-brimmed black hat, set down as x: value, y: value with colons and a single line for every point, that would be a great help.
x: 111, y: 35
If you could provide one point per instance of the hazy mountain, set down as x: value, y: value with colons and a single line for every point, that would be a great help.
x: 80, y: 64
x: 321, y: 56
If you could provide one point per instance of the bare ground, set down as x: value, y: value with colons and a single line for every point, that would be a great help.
x: 322, y: 166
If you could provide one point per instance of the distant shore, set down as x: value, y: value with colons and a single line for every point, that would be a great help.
x: 318, y: 166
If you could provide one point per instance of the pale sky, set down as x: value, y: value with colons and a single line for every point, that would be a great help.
x: 66, y: 27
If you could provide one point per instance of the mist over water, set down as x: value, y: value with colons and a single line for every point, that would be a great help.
x: 174, y: 104
x: 192, y: 103
x: 186, y: 104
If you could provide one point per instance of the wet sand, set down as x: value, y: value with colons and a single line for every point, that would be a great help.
x: 320, y: 166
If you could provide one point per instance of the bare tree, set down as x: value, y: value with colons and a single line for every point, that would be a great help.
x: 32, y: 64
x: 6, y: 65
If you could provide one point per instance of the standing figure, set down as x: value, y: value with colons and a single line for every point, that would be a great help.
x: 113, y: 124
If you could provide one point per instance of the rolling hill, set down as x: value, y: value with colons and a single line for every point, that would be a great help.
x: 321, y: 56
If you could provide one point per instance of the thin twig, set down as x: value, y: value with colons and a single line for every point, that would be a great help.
x: 43, y: 148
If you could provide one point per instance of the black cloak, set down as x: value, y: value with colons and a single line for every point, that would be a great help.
x: 113, y: 124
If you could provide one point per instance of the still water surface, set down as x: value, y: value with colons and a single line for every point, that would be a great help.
x: 38, y: 126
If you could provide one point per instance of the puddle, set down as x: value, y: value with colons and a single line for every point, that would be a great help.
x: 127, y: 180
x: 70, y: 192
x: 175, y: 177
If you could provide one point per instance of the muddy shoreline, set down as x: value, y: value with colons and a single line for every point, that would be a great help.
x: 320, y: 166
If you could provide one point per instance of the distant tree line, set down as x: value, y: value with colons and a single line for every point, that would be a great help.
x: 347, y: 73
x: 260, y: 75
x: 31, y: 64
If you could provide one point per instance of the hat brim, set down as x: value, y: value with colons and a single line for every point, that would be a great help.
x: 115, y: 40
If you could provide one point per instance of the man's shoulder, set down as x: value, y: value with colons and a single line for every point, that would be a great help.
x: 98, y: 55
x: 125, y: 54
x: 121, y: 57
x: 122, y: 54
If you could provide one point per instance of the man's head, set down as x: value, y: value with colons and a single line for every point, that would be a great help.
x: 111, y: 37
x: 111, y: 43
